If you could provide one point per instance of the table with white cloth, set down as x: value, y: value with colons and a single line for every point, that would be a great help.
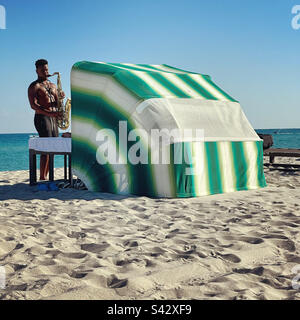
x: 50, y: 146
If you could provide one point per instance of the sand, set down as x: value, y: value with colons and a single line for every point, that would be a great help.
x: 73, y: 244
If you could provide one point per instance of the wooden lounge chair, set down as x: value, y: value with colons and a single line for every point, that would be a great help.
x: 281, y: 152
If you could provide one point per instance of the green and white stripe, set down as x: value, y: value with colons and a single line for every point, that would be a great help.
x: 89, y: 132
x: 165, y: 81
x: 217, y: 169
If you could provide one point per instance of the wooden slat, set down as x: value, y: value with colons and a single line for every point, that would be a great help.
x: 282, y: 165
x: 281, y: 152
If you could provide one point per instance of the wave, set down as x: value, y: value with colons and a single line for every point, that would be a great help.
x: 290, y: 133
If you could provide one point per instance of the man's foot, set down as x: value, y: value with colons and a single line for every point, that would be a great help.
x: 43, y: 178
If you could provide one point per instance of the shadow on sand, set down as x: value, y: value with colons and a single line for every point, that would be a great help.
x: 286, y: 172
x: 23, y: 191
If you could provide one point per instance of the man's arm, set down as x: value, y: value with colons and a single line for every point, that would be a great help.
x: 32, y: 96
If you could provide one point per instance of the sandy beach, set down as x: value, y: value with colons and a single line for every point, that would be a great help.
x: 74, y: 244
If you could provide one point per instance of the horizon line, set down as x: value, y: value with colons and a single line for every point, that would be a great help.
x: 63, y: 132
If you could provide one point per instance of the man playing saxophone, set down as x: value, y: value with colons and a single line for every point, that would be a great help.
x: 43, y: 98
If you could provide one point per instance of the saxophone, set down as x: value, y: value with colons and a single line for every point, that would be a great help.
x: 63, y: 121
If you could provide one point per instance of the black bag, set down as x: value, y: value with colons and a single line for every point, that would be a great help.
x: 268, y: 140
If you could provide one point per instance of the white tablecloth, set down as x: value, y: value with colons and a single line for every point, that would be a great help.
x: 50, y: 144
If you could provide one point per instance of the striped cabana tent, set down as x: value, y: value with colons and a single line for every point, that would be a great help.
x: 159, y: 131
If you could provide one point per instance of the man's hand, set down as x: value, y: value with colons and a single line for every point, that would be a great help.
x: 61, y: 95
x: 55, y: 114
x: 60, y: 114
x: 52, y: 113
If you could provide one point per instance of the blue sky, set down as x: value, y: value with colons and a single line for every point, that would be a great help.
x: 248, y: 47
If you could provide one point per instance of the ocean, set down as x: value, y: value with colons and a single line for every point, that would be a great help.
x: 14, y: 147
x: 14, y: 154
x: 283, y: 138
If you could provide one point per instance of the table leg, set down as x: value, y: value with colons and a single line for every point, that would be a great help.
x: 65, y: 167
x: 70, y: 170
x: 32, y: 167
x: 51, y: 167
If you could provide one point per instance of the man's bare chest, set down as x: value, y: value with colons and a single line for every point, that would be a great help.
x: 46, y: 91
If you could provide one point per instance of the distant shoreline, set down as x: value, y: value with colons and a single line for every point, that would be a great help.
x: 15, y: 156
x: 35, y: 133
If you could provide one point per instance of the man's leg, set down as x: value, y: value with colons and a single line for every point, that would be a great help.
x: 44, y: 167
x: 52, y: 132
x: 43, y: 127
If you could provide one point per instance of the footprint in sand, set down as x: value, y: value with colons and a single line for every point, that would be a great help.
x: 143, y: 216
x: 284, y: 224
x: 252, y: 240
x: 292, y: 258
x: 9, y: 238
x: 290, y: 214
x: 18, y: 267
x: 274, y: 283
x: 230, y: 257
x: 7, y: 249
x: 17, y: 287
x: 54, y: 253
x: 257, y: 271
x: 75, y: 255
x: 131, y: 243
x: 157, y: 251
x: 94, y: 248
x: 233, y: 220
x: 77, y: 235
x: 288, y: 245
x: 173, y: 233
x: 78, y: 275
x: 47, y: 262
x: 188, y: 252
x: 113, y: 282
x: 139, y: 208
x: 121, y: 263
x: 150, y: 263
x: 37, y: 285
x: 275, y: 236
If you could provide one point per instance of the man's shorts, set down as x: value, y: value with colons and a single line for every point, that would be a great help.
x: 45, y: 126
